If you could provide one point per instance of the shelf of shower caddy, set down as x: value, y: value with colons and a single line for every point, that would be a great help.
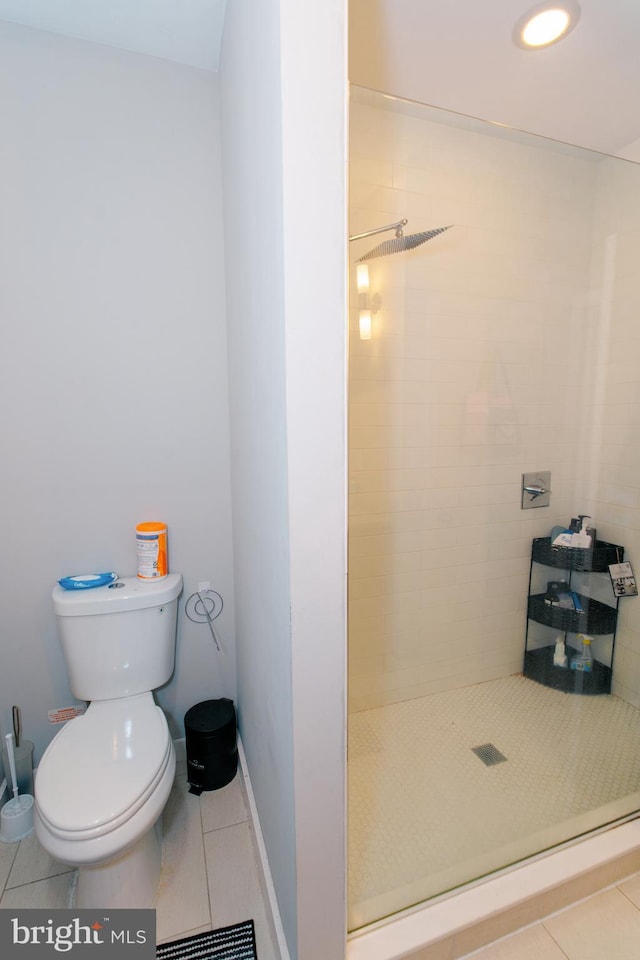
x: 539, y: 666
x: 596, y: 559
x: 595, y: 617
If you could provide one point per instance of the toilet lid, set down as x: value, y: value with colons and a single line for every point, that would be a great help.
x: 102, y: 766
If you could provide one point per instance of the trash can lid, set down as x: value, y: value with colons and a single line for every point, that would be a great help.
x: 210, y: 715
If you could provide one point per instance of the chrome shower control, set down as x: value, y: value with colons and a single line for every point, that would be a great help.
x: 536, y: 489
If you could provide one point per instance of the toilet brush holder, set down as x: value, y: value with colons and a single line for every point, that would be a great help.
x: 23, y: 758
x: 16, y: 816
x: 16, y: 819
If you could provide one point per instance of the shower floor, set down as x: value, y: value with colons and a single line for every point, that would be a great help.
x: 426, y: 814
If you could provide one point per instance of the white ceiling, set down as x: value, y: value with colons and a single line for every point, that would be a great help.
x: 186, y: 31
x: 459, y: 54
x: 456, y: 54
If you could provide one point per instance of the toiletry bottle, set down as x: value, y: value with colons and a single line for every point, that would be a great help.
x: 563, y: 539
x: 563, y: 536
x: 559, y: 654
x: 583, y: 539
x: 583, y: 660
x: 590, y: 530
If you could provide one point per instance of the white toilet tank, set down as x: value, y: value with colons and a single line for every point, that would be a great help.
x: 118, y: 640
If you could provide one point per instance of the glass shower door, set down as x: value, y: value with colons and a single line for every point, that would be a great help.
x: 507, y: 345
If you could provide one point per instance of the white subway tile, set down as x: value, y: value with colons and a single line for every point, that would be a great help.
x: 481, y: 368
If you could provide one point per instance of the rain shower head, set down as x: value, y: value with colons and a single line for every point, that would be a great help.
x: 400, y: 242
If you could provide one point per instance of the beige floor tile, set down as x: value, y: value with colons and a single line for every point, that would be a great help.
x: 33, y: 863
x: 604, y: 927
x: 534, y: 943
x: 181, y: 757
x: 631, y: 889
x: 234, y: 889
x: 8, y: 853
x: 224, y: 807
x: 53, y: 893
x: 185, y: 933
x: 32, y: 879
x: 182, y: 901
x: 494, y: 927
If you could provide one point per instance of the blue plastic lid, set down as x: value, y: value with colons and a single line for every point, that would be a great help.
x: 87, y: 581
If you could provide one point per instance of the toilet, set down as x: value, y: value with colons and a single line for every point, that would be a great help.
x: 104, y: 780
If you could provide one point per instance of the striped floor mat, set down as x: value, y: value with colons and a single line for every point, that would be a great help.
x: 228, y: 943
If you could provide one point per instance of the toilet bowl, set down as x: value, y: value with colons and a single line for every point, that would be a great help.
x: 101, y: 787
x: 105, y: 778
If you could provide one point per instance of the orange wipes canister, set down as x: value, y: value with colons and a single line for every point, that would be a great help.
x: 151, y: 547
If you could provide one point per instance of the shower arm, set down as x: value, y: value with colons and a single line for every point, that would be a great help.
x: 390, y: 226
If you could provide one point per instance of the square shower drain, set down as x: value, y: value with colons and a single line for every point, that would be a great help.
x: 489, y: 754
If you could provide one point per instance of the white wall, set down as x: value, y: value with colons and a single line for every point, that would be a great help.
x: 283, y: 107
x: 252, y: 164
x: 505, y: 345
x: 314, y: 114
x: 113, y: 362
x: 611, y: 448
x: 473, y: 376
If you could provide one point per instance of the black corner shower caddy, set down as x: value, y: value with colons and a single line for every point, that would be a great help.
x: 597, y: 618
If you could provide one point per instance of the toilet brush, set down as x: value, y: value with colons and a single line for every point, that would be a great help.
x: 16, y: 817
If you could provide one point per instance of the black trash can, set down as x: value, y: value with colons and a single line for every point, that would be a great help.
x: 212, y: 752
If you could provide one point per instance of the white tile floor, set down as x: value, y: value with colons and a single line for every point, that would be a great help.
x: 426, y: 815
x: 209, y: 877
x: 603, y: 927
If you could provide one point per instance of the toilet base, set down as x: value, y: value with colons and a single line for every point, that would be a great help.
x: 129, y: 880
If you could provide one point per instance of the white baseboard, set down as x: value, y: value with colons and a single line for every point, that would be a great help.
x: 261, y: 853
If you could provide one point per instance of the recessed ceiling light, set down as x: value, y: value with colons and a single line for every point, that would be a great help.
x: 545, y: 24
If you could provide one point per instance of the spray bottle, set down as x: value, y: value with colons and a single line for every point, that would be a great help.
x: 584, y: 659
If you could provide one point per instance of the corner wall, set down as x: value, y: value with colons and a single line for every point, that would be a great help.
x: 611, y: 443
x: 283, y: 120
x: 252, y: 176
x: 113, y: 378
x: 505, y: 345
x: 473, y: 376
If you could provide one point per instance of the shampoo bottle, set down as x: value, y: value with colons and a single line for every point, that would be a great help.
x: 582, y: 539
x: 559, y: 654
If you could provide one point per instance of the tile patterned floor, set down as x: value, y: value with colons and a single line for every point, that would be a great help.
x: 426, y: 815
x: 209, y: 873
x: 210, y: 879
x: 603, y: 927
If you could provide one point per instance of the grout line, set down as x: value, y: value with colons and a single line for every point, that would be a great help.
x: 624, y: 880
x: 508, y: 936
x: 589, y: 896
x: 28, y: 883
x: 225, y: 826
x: 13, y: 861
x: 206, y: 865
x: 542, y: 921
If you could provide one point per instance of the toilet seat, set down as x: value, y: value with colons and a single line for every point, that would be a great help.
x: 102, y: 767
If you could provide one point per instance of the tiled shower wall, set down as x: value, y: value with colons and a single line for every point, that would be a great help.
x: 479, y: 368
x: 612, y: 438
